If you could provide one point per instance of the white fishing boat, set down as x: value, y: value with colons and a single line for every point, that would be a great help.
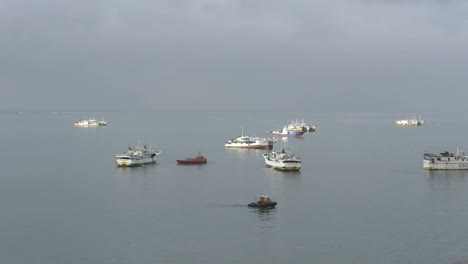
x: 446, y: 161
x: 302, y: 126
x: 91, y: 122
x: 87, y: 123
x: 137, y: 156
x: 282, y: 160
x: 249, y: 142
x: 286, y: 132
x: 410, y: 122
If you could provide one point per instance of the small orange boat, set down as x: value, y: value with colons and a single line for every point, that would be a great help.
x: 195, y: 160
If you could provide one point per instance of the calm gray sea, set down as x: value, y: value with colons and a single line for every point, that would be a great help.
x: 361, y: 197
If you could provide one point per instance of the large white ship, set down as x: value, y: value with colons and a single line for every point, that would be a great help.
x: 282, y: 160
x: 446, y: 161
x: 243, y: 141
x: 137, y: 156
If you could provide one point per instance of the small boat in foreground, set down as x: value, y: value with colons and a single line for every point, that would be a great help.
x: 264, y: 202
x: 195, y: 160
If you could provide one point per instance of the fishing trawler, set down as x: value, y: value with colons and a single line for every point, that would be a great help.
x: 302, y: 126
x: 263, y: 202
x: 248, y: 142
x: 137, y: 156
x: 446, y: 161
x: 282, y: 160
x: 287, y: 132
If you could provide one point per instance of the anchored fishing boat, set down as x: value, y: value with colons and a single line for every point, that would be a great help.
x: 446, y: 161
x: 263, y: 202
x: 137, y: 156
x: 194, y: 160
x: 287, y: 132
x: 302, y: 126
x: 284, y: 161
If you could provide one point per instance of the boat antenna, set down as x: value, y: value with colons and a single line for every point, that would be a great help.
x: 242, y: 131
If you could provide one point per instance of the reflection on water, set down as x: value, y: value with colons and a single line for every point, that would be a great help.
x: 446, y: 177
x: 226, y: 205
x: 139, y: 170
x: 266, y: 217
x: 241, y: 150
x: 276, y: 178
x: 245, y: 153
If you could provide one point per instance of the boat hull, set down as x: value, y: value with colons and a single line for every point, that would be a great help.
x: 191, y: 162
x: 262, y: 206
x: 134, y: 162
x: 445, y: 165
x: 291, y: 134
x: 249, y: 146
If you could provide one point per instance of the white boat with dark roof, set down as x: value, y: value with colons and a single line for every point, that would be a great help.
x: 282, y: 160
x: 243, y: 141
x: 446, y: 161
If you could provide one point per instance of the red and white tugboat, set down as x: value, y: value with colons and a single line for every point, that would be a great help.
x: 263, y: 202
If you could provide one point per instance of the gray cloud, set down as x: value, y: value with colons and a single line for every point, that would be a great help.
x: 322, y: 55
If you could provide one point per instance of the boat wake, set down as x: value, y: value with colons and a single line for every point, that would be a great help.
x: 227, y: 205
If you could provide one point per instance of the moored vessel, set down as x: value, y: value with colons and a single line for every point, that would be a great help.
x: 446, y: 161
x: 243, y: 141
x: 410, y: 122
x: 87, y: 123
x: 282, y: 160
x: 302, y: 126
x: 263, y: 202
x: 199, y: 159
x: 137, y: 156
x: 91, y: 122
x: 287, y: 132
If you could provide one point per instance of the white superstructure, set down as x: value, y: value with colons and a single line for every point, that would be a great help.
x: 301, y: 126
x: 137, y: 156
x: 91, y: 122
x: 282, y: 160
x: 410, y: 122
x: 446, y: 161
x: 243, y: 141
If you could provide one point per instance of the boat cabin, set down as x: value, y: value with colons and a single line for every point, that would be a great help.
x: 264, y: 199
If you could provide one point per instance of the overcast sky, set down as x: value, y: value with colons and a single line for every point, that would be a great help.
x: 320, y: 55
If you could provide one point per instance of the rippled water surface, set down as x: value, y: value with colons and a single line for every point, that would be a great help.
x: 361, y: 196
